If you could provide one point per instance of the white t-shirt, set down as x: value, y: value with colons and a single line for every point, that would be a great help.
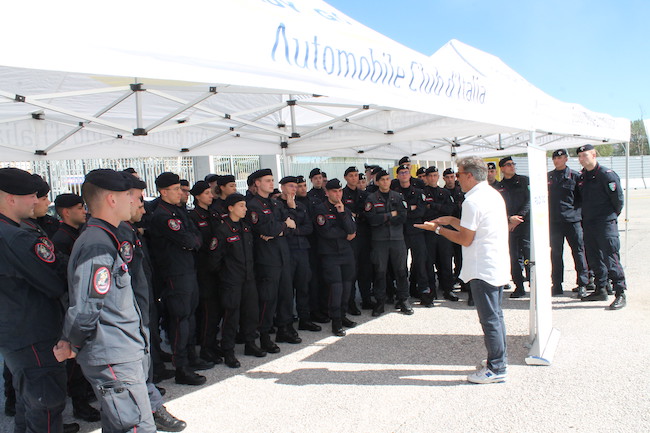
x: 487, y: 258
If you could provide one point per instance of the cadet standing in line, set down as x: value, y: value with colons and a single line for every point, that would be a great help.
x: 452, y: 185
x: 31, y: 290
x: 492, y: 174
x: 317, y: 290
x: 70, y: 208
x: 227, y: 186
x: 104, y: 325
x: 270, y: 226
x: 336, y: 228
x: 516, y: 193
x: 600, y: 223
x: 565, y: 214
x: 232, y: 262
x: 386, y: 214
x: 174, y: 240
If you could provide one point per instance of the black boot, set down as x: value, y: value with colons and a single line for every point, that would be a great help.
x: 187, y: 376
x: 285, y: 335
x: 405, y: 307
x: 197, y: 363
x: 319, y: 317
x: 267, y: 345
x: 451, y: 296
x: 599, y: 295
x: 71, y: 428
x: 337, y: 328
x: 10, y: 405
x: 211, y: 355
x: 619, y: 301
x: 582, y: 292
x: 230, y: 360
x: 252, y: 349
x: 306, y: 325
x: 83, y: 411
x: 353, y: 309
x: 378, y: 309
x: 426, y: 299
x: 166, y: 421
x: 347, y: 322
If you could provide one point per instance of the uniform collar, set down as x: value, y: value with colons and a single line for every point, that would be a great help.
x: 6, y: 220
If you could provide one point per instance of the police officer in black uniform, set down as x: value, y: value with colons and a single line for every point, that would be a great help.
x: 232, y: 262
x: 600, y: 211
x: 457, y: 194
x: 31, y: 310
x: 438, y: 203
x: 226, y: 185
x: 104, y: 324
x: 336, y: 228
x: 516, y: 194
x: 386, y: 212
x: 565, y: 214
x: 72, y: 211
x: 415, y: 181
x: 300, y: 272
x: 492, y: 174
x: 174, y: 240
x: 271, y: 224
x: 354, y: 199
x: 316, y: 194
x: 413, y: 236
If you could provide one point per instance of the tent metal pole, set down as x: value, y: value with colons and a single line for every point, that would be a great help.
x: 627, y: 197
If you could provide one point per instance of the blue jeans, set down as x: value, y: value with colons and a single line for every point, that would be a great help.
x: 487, y: 299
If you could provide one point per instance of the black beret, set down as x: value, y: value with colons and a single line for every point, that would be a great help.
x: 585, y: 147
x: 381, y: 173
x: 225, y: 180
x: 350, y: 170
x: 184, y: 182
x: 362, y: 176
x: 323, y: 173
x: 249, y: 180
x: 333, y: 184
x: 503, y: 161
x: 276, y: 191
x: 300, y: 179
x: 136, y: 182
x: 404, y: 159
x: 376, y: 169
x: 420, y: 171
x: 491, y: 165
x: 260, y: 173
x: 288, y: 179
x: 130, y: 170
x: 42, y: 188
x: 432, y: 169
x: 108, y: 179
x: 233, y: 199
x: 211, y: 177
x: 16, y: 181
x: 448, y: 171
x: 167, y: 179
x: 199, y: 187
x: 559, y: 152
x: 314, y: 172
x: 68, y: 200
x: 403, y: 167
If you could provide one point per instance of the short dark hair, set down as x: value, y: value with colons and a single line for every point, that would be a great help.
x: 91, y: 194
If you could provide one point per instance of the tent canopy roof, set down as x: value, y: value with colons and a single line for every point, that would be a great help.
x: 252, y: 84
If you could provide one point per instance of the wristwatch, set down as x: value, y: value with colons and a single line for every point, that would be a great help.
x: 437, y: 230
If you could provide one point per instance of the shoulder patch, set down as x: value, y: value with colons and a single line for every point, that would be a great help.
x: 44, y: 252
x: 320, y: 220
x: 174, y: 224
x: 612, y: 186
x: 48, y: 243
x: 254, y: 217
x: 126, y: 250
x: 368, y: 206
x: 101, y: 282
x: 213, y: 244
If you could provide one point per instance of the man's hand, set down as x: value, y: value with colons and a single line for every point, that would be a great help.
x: 266, y: 238
x: 290, y: 223
x: 514, y: 221
x: 63, y: 351
x: 393, y: 213
x: 447, y: 221
x: 352, y: 236
x: 291, y: 201
x: 340, y: 207
x: 428, y: 225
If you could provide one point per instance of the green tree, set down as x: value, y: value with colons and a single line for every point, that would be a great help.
x: 638, y: 139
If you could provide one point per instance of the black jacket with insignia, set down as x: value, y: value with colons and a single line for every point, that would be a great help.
x: 604, y: 196
x: 414, y: 198
x: 298, y: 238
x: 232, y: 260
x: 564, y: 199
x: 438, y: 203
x: 384, y: 226
x: 332, y: 228
x: 64, y: 238
x: 516, y: 195
x: 267, y: 218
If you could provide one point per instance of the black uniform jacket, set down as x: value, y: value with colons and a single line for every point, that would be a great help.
x: 233, y: 258
x: 601, y: 188
x: 31, y: 288
x: 516, y: 194
x: 332, y: 228
x: 174, y: 238
x: 206, y: 222
x: 267, y: 218
x: 413, y: 197
x: 438, y: 202
x: 564, y: 199
x: 298, y: 237
x: 64, y: 238
x: 378, y: 213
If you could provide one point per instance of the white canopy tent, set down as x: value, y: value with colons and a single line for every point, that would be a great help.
x: 220, y: 77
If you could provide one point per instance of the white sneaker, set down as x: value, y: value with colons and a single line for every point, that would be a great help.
x: 485, y: 375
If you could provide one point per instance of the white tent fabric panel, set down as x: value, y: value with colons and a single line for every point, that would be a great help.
x: 242, y: 77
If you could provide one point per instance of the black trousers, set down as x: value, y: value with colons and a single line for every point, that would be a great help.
x: 317, y: 288
x: 363, y: 266
x: 275, y: 296
x: 602, y: 244
x: 458, y: 259
x: 572, y: 232
x: 300, y: 274
x: 519, y: 242
x: 417, y: 245
x: 181, y: 297
x: 338, y: 273
x: 209, y: 312
x: 439, y: 254
x: 240, y: 308
x: 393, y: 253
x: 40, y: 384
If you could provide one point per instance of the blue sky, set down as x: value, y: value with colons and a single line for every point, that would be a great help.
x: 595, y: 53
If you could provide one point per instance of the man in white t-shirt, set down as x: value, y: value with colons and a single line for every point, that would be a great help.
x: 483, y: 233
